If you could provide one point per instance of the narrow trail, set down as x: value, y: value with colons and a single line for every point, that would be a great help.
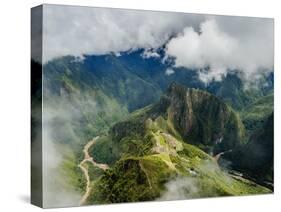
x: 84, y: 169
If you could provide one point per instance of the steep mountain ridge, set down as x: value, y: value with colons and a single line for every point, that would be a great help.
x: 256, y: 157
x: 182, y: 112
x: 256, y: 114
x: 146, y: 151
x: 203, y: 119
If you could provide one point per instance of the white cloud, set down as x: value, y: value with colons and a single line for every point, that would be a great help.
x: 221, y: 45
x: 148, y: 53
x: 180, y: 188
x: 211, y: 44
x: 169, y: 71
x: 76, y: 31
x: 57, y: 189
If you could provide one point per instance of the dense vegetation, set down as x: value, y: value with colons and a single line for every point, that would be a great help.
x: 150, y: 150
x: 154, y: 132
x: 256, y: 157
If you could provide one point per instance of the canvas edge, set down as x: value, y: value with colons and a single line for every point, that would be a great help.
x: 36, y: 188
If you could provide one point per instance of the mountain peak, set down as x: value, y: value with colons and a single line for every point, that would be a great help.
x: 176, y: 89
x: 203, y: 119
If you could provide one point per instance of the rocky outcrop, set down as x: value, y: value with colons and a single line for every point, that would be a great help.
x: 203, y: 119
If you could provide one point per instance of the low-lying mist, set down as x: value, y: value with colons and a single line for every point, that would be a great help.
x: 57, y: 190
x: 194, y: 186
x: 63, y: 138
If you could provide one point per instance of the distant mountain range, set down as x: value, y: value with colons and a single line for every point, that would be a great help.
x: 136, y: 74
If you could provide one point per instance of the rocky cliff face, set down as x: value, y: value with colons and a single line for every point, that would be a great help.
x: 196, y: 116
x: 203, y: 119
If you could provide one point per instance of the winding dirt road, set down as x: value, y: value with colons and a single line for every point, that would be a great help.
x: 84, y: 169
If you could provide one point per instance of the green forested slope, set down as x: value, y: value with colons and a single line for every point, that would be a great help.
x: 148, y: 151
x: 84, y: 99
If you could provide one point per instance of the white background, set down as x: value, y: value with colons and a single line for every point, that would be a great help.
x: 15, y: 102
